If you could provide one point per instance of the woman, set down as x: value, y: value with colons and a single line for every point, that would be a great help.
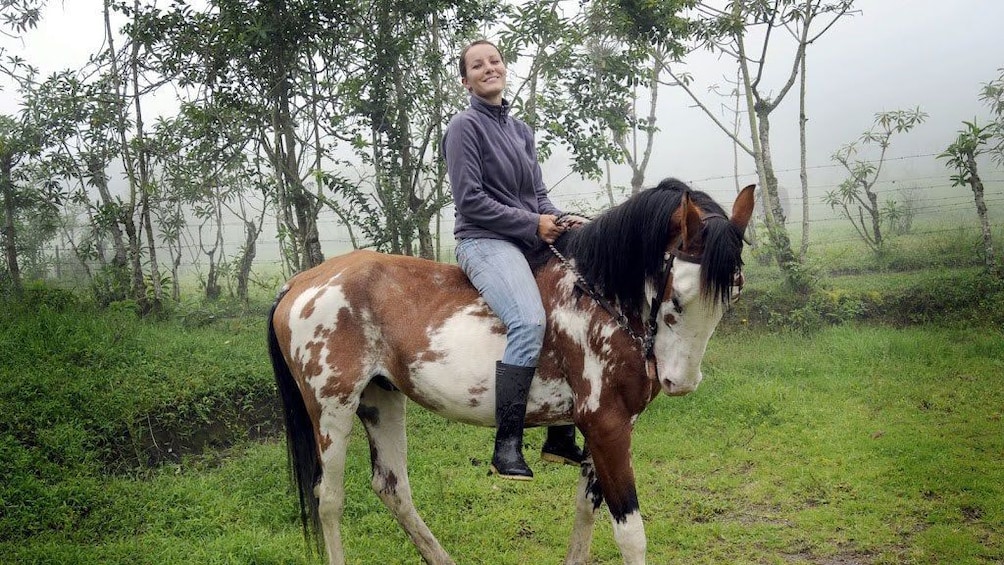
x: 502, y: 209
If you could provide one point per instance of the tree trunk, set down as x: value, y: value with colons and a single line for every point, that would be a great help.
x: 301, y: 220
x: 776, y: 229
x: 145, y: 186
x: 98, y: 179
x: 803, y: 175
x: 137, y: 285
x: 9, y: 229
x: 981, y: 210
x: 247, y: 258
x: 128, y: 215
x: 437, y: 79
x: 876, y: 218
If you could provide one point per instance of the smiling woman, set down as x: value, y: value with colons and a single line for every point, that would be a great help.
x: 483, y: 72
x: 502, y: 211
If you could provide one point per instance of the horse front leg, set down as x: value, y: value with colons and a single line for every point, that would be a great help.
x: 609, y: 444
x: 588, y: 499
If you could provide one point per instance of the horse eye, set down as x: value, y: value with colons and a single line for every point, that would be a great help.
x: 677, y: 306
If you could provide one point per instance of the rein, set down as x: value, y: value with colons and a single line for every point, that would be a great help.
x: 647, y: 340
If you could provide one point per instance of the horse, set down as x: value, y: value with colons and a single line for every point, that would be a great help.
x: 632, y: 299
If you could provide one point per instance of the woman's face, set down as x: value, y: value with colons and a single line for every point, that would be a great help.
x: 485, y: 73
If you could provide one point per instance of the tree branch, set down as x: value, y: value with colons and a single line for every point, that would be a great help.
x: 707, y: 111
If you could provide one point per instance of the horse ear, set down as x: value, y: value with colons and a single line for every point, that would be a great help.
x: 742, y: 209
x: 690, y: 226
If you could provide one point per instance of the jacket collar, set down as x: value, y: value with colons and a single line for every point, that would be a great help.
x: 499, y: 113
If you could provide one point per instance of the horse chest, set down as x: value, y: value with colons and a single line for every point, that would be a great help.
x: 596, y: 355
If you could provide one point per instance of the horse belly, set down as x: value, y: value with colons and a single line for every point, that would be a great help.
x: 455, y: 377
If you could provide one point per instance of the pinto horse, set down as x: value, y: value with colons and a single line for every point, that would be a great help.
x: 632, y: 299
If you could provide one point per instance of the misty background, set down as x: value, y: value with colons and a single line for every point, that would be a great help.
x: 888, y: 55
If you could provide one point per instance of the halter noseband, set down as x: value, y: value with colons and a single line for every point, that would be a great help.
x: 646, y: 341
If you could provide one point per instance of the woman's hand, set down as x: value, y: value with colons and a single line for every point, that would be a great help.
x: 548, y: 228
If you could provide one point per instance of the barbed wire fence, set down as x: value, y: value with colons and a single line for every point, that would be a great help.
x: 937, y: 207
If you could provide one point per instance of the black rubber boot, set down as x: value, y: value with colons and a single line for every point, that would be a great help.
x: 512, y: 384
x: 559, y: 447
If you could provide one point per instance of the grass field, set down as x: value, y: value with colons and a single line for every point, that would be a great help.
x: 861, y: 425
x: 854, y: 444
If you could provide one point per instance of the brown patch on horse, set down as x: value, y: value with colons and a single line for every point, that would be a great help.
x: 476, y: 392
x: 630, y: 385
x: 344, y: 344
x: 308, y: 310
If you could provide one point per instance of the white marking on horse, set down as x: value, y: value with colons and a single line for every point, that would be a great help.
x: 449, y: 370
x: 680, y: 347
x: 570, y: 319
x: 630, y: 537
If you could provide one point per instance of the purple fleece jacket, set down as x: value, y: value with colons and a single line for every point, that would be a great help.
x: 494, y: 174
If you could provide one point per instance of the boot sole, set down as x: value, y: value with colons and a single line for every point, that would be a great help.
x: 552, y: 458
x: 511, y: 477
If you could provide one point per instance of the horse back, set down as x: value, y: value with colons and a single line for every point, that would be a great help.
x: 368, y: 314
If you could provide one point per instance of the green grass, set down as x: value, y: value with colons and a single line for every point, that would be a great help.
x: 862, y: 443
x: 871, y: 435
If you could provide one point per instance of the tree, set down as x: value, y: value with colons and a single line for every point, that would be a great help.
x: 254, y: 61
x: 29, y: 199
x: 20, y: 15
x: 589, y: 72
x: 400, y: 107
x: 729, y: 32
x: 563, y: 96
x: 12, y: 149
x: 80, y: 120
x: 856, y: 199
x: 992, y: 94
x: 15, y: 140
x: 973, y: 141
x: 961, y: 155
x: 614, y: 47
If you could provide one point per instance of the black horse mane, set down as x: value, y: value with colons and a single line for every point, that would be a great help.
x: 623, y: 248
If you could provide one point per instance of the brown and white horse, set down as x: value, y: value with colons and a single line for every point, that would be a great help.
x: 631, y: 306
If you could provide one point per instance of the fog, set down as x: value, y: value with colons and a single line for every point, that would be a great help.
x: 891, y: 54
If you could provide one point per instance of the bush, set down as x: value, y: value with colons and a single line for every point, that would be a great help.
x: 40, y: 295
x: 85, y: 391
x: 960, y: 297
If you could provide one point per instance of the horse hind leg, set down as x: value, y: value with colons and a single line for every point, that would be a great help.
x: 335, y: 426
x: 382, y: 413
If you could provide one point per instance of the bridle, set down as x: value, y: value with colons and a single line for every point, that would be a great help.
x: 645, y: 340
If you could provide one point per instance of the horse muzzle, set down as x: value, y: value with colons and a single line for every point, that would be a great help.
x: 673, y: 388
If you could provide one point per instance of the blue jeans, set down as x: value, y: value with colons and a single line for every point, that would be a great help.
x: 499, y: 271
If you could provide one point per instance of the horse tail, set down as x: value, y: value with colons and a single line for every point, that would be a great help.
x: 301, y: 446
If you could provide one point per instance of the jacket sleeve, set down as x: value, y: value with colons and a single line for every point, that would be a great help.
x: 462, y: 151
